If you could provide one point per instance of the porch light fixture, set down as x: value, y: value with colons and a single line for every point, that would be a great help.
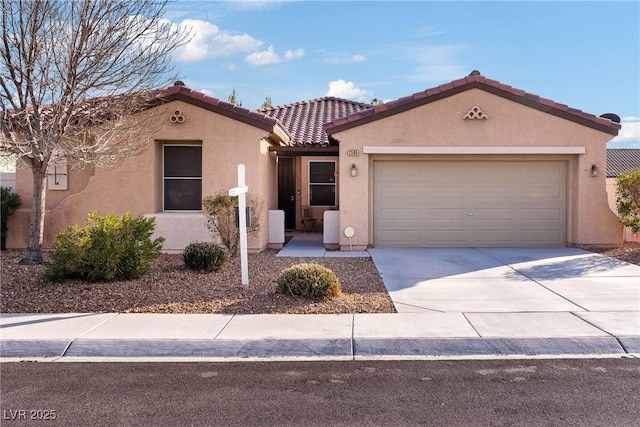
x: 594, y: 170
x: 354, y: 170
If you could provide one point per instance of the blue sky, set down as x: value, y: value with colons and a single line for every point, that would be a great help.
x: 584, y: 54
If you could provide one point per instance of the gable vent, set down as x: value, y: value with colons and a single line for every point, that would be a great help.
x: 475, y: 113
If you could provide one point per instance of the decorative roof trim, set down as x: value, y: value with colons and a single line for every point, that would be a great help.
x: 244, y: 115
x: 307, y: 150
x: 390, y: 149
x: 473, y: 81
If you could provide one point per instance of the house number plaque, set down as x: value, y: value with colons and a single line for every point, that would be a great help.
x: 353, y: 153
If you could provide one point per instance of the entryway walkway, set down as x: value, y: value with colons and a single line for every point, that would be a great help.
x: 310, y: 245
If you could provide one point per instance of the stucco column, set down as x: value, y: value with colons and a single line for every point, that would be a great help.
x: 354, y: 199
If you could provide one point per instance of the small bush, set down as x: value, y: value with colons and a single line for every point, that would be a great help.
x: 219, y: 211
x: 309, y: 280
x: 203, y: 256
x: 628, y: 201
x: 107, y: 248
x: 10, y: 202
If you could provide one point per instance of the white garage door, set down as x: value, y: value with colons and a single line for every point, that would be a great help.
x: 467, y: 204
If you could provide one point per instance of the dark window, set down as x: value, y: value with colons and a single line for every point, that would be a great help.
x: 182, y: 177
x: 322, y: 183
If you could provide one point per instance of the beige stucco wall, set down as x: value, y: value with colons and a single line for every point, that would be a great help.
x: 135, y: 185
x: 440, y: 124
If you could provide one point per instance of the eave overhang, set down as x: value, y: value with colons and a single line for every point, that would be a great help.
x: 305, y: 151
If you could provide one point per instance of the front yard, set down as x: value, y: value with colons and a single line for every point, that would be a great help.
x: 171, y: 288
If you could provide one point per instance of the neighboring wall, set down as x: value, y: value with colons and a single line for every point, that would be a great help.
x: 8, y: 176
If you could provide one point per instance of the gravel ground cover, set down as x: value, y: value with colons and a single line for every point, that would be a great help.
x: 171, y: 288
x: 629, y: 252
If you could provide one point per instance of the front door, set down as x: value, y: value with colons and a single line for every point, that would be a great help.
x: 287, y: 191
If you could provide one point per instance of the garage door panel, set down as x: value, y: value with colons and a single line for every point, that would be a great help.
x: 539, y: 237
x: 447, y: 236
x: 469, y: 203
x: 493, y: 214
x: 491, y: 174
x: 401, y: 238
x: 494, y: 192
x: 541, y: 214
x: 445, y: 214
x: 403, y: 192
x: 493, y: 237
x: 443, y: 191
x: 401, y: 214
x: 536, y: 173
x: 551, y: 192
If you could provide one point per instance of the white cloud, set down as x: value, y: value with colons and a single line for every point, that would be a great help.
x: 630, y: 129
x: 209, y: 41
x: 341, y: 58
x: 348, y: 90
x: 266, y: 57
x: 270, y: 57
x: 293, y: 54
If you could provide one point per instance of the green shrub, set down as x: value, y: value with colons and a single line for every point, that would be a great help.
x: 10, y: 202
x: 628, y: 201
x: 309, y: 280
x: 107, y: 248
x: 203, y: 256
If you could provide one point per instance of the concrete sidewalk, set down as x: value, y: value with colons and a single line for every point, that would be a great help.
x: 558, y: 302
x: 349, y: 336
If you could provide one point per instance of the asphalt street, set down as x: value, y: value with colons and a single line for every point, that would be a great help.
x: 525, y: 392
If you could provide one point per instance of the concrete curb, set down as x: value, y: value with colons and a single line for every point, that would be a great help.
x: 321, y: 348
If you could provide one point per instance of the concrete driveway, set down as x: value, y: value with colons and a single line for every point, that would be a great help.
x: 507, y: 280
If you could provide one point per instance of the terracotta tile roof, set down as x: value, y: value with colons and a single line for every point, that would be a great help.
x: 474, y: 80
x: 304, y: 120
x: 252, y: 117
x: 620, y: 160
x: 91, y: 108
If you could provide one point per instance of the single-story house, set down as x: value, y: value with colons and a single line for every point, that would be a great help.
x: 470, y: 163
x: 620, y: 160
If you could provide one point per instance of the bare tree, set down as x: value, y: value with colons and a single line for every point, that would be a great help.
x: 73, y: 73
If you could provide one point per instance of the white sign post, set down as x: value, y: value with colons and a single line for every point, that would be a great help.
x: 241, y: 191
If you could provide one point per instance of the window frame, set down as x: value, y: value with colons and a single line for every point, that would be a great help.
x: 164, y: 178
x: 58, y: 171
x: 331, y: 184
